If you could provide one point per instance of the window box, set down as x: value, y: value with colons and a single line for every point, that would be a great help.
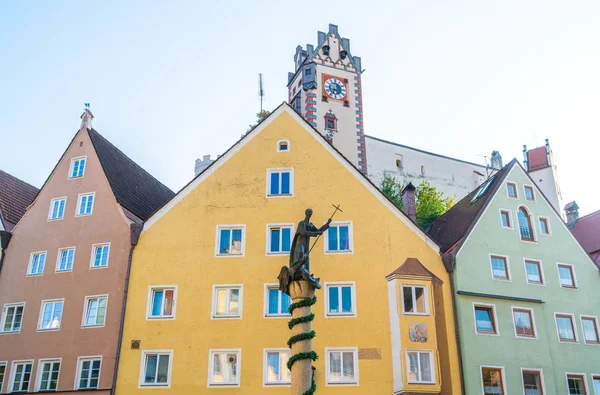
x: 94, y: 311
x: 280, y: 182
x: 415, y: 300
x: 338, y: 238
x: 224, y: 367
x: 275, y: 367
x: 50, y: 315
x: 12, y: 317
x: 341, y: 366
x: 231, y: 240
x: 485, y: 319
x: 88, y: 372
x: 276, y: 302
x: 161, y: 302
x: 340, y: 299
x: 227, y: 301
x: 155, y: 369
x: 420, y: 367
x: 57, y: 209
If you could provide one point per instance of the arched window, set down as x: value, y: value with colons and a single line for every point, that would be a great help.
x: 525, y: 224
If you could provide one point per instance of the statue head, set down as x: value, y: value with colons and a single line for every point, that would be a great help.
x: 308, y: 212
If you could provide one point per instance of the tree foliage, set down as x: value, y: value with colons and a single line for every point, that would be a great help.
x: 260, y: 116
x: 393, y: 190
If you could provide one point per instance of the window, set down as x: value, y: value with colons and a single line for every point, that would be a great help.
x: 422, y: 170
x: 21, y: 376
x: 330, y: 124
x: 532, y: 382
x: 529, y: 193
x: 277, y: 303
x: 57, y: 208
x: 94, y: 310
x: 279, y: 239
x: 499, y: 268
x: 566, y: 276
x: 156, y: 369
x: 12, y: 316
x: 48, y: 372
x: 420, y: 367
x: 544, y: 226
x: 227, y: 301
x: 64, y: 262
x: 341, y: 366
x: 85, y: 204
x: 525, y: 224
x: 596, y: 380
x: 534, y: 272
x: 77, y: 167
x: 524, y: 322
x: 88, y: 372
x: 36, y: 263
x: 566, y: 328
x: 340, y: 300
x: 161, y: 302
x: 2, y: 373
x: 276, y: 371
x: 280, y: 182
x: 414, y: 300
x: 505, y: 217
x: 230, y: 240
x: 50, y: 314
x: 512, y: 189
x: 338, y: 237
x: 576, y: 384
x: 590, y: 330
x: 485, y: 320
x: 493, y: 381
x: 307, y: 71
x: 297, y: 104
x: 100, y: 255
x: 283, y: 146
x: 224, y: 367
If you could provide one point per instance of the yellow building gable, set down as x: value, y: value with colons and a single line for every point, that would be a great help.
x: 203, y: 300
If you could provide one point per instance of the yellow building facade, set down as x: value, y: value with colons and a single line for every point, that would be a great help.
x: 203, y: 311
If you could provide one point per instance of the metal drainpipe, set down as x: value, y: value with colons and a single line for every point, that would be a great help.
x: 452, y: 262
x: 134, y: 233
x: 4, y: 240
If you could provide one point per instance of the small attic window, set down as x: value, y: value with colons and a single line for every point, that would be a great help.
x: 483, y: 189
x: 422, y: 170
x: 283, y: 146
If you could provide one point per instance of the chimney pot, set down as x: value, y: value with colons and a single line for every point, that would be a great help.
x: 409, y: 205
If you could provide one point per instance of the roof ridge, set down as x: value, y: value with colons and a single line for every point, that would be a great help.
x: 587, y: 216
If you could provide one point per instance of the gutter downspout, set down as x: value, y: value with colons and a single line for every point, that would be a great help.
x: 135, y: 229
x: 4, y: 240
x: 450, y: 261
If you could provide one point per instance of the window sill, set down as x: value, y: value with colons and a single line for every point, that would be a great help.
x: 229, y: 255
x: 278, y: 316
x: 34, y: 275
x: 592, y: 343
x: 281, y: 384
x: 160, y: 318
x: 417, y: 314
x: 83, y: 215
x: 98, y: 267
x: 535, y: 283
x: 340, y: 315
x: 223, y: 385
x: 501, y: 279
x: 488, y: 333
x: 92, y: 326
x: 282, y: 253
x: 526, y: 337
x: 568, y: 341
x: 10, y: 332
x: 48, y: 330
x: 280, y: 196
x: 339, y: 252
x: 226, y: 317
x: 567, y: 287
x: 55, y: 219
x: 166, y: 385
x: 342, y: 384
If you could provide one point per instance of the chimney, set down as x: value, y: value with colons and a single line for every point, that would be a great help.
x: 409, y: 205
x: 496, y: 160
x: 572, y: 212
x: 87, y: 117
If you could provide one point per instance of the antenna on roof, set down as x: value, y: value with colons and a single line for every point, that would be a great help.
x: 261, y: 91
x: 484, y: 159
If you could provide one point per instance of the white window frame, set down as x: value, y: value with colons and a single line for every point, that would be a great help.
x: 542, y: 381
x: 13, y: 373
x: 218, y: 240
x: 151, y: 289
x: 216, y: 287
x: 211, y: 353
x: 339, y: 284
x: 508, y: 272
x: 268, y: 287
x: 516, y: 190
x: 85, y: 309
x: 426, y: 293
x: 57, y: 269
x: 328, y: 382
x: 5, y: 314
x: 266, y: 352
x: 575, y: 283
x: 30, y: 266
x: 431, y: 361
x: 540, y: 217
x: 532, y: 315
x: 541, y: 266
x: 268, y: 238
x: 495, y: 318
x: 595, y: 319
x: 279, y: 145
x: 41, y: 315
x: 38, y: 380
x: 502, y: 373
x: 141, y: 381
x: 5, y: 364
x: 79, y: 197
x: 573, y: 321
x: 80, y: 361
x: 510, y: 218
x: 93, y: 256
x: 525, y: 186
x: 52, y: 201
x: 350, y: 238
x: 595, y: 377
x: 72, y: 167
x: 585, y: 386
x: 280, y: 170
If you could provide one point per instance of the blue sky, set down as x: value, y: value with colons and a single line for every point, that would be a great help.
x: 171, y: 81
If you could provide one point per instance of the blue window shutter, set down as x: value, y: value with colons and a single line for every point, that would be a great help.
x: 334, y: 302
x: 344, y: 240
x: 286, y: 239
x: 157, y: 302
x: 274, y: 184
x: 224, y: 242
x: 273, y: 301
x: 332, y: 235
x: 285, y: 183
x: 275, y: 240
x: 346, y: 299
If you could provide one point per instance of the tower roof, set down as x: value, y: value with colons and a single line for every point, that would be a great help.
x: 537, y: 158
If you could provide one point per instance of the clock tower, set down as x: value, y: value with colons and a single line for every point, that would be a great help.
x: 326, y: 89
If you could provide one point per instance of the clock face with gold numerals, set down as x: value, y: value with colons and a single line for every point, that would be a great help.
x: 335, y: 88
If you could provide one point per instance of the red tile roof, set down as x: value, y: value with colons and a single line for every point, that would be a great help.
x: 15, y: 197
x: 587, y: 231
x: 537, y: 159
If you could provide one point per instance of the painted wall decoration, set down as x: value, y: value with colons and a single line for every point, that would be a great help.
x: 418, y: 333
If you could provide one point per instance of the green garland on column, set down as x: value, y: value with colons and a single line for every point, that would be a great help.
x: 301, y: 337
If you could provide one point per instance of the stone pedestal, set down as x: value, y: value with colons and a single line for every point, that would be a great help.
x: 302, y: 369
